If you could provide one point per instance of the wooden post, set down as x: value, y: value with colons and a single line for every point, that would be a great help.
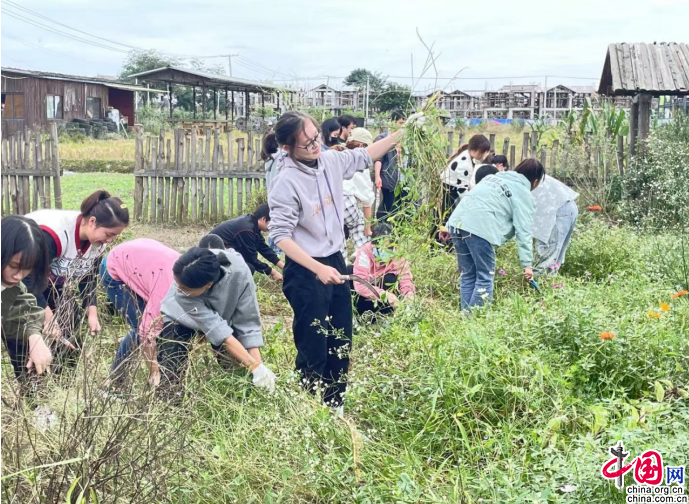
x: 553, y: 156
x: 180, y: 175
x: 461, y: 139
x: 450, y: 142
x: 194, y: 168
x: 525, y: 145
x: 240, y: 194
x: 534, y: 144
x: 199, y: 171
x: 506, y: 146
x: 48, y: 165
x: 633, y: 125
x: 214, y: 186
x: 25, y: 166
x: 513, y: 156
x: 39, y: 195
x: 57, y: 185
x: 221, y: 184
x: 250, y: 150
x: 240, y: 154
x: 620, y: 155
x: 13, y: 180
x: 230, y: 154
x: 5, y: 179
x: 543, y: 157
x: 206, y: 178
x: 171, y: 166
x: 154, y: 178
x: 492, y: 142
x: 167, y: 181
x: 186, y: 178
x: 230, y: 194
x: 644, y: 115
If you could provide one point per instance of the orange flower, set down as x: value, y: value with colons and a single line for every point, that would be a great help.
x: 680, y: 294
x: 594, y: 208
x: 664, y: 306
x: 607, y: 335
x: 652, y: 314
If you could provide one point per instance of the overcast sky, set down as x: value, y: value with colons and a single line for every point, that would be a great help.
x: 300, y: 42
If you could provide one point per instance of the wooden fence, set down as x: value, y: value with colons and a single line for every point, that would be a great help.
x: 195, y: 176
x: 30, y: 172
x: 554, y: 160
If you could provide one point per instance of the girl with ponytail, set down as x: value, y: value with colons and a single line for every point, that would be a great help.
x: 76, y: 240
x: 213, y: 294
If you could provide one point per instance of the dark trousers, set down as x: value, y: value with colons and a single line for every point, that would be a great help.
x: 322, y: 328
x: 174, y: 344
x: 130, y: 305
x: 449, y: 202
x: 390, y: 202
x: 18, y: 350
x: 363, y: 304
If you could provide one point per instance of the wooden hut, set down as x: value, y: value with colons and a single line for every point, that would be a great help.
x: 644, y: 71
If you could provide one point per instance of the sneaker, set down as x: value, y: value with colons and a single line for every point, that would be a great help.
x: 338, y: 411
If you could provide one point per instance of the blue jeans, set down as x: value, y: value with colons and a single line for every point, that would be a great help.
x: 476, y: 263
x: 130, y: 305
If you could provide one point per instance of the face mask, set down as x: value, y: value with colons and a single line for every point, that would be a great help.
x: 382, y: 254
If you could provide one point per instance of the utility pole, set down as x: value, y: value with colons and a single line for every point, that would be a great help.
x: 229, y: 61
x: 367, y: 98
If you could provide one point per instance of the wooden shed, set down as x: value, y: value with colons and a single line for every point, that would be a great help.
x: 644, y: 71
x: 36, y: 99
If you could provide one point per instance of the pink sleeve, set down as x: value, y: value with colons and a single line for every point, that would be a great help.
x: 406, y: 280
x: 362, y: 268
x: 151, y: 322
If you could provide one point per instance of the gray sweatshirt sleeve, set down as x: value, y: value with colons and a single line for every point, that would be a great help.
x: 284, y: 210
x: 247, y: 319
x: 198, y: 316
x: 349, y: 161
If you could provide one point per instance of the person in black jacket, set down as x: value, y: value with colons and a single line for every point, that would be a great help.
x: 243, y: 234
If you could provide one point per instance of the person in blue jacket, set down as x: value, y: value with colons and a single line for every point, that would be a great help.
x: 496, y: 210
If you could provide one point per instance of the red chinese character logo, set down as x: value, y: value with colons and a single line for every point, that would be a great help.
x: 649, y: 468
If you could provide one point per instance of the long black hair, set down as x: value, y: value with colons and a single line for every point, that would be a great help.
x: 199, y: 267
x: 21, y: 234
x: 327, y: 128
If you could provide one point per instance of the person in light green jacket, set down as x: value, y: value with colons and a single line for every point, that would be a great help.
x: 496, y: 210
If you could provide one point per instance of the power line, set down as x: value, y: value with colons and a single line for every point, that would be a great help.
x: 321, y: 77
x: 33, y: 13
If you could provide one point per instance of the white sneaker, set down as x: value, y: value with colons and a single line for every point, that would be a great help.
x: 338, y: 411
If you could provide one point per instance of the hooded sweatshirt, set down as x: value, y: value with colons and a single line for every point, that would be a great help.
x: 306, y: 204
x: 498, y: 209
x: 228, y: 308
x: 369, y: 266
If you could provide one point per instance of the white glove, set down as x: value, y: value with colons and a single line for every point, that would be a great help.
x: 418, y: 119
x: 264, y: 378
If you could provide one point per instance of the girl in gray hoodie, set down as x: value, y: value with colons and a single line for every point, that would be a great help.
x: 306, y: 222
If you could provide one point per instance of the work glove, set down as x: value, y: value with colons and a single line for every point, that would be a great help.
x: 418, y: 119
x: 263, y: 378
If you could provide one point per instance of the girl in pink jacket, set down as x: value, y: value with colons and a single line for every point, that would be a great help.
x: 137, y: 276
x: 377, y: 263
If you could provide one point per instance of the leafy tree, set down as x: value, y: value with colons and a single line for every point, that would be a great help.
x: 358, y: 77
x: 394, y: 96
x: 142, y: 61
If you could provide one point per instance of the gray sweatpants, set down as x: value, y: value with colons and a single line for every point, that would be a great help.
x: 551, y: 256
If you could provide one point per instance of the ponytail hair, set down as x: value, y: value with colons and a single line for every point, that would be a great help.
x: 270, y: 145
x: 108, y: 211
x: 196, y: 268
x: 21, y: 234
x: 212, y: 241
x: 461, y: 149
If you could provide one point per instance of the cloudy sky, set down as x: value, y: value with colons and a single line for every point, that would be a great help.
x: 300, y: 42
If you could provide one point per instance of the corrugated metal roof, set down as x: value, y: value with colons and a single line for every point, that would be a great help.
x: 79, y: 78
x: 210, y: 78
x: 651, y: 68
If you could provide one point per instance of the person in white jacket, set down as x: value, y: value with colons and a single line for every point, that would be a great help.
x: 359, y: 189
x: 554, y: 221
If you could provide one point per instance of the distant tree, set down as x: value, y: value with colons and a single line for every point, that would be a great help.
x: 358, y: 77
x: 142, y: 61
x: 394, y: 96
